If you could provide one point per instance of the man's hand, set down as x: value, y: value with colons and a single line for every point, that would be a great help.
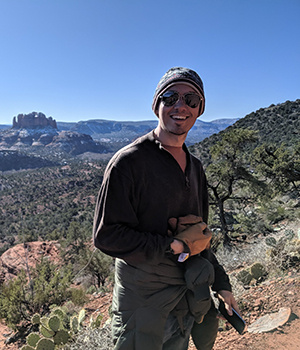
x: 177, y: 247
x: 229, y: 301
x: 177, y: 225
x: 191, y: 231
x: 197, y: 237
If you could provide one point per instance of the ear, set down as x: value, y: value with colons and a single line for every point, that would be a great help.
x: 200, y: 111
x: 156, y: 109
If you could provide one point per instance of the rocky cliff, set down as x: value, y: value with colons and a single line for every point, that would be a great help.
x: 35, y: 134
x: 33, y: 120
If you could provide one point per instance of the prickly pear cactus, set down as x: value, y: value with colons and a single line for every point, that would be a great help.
x: 32, y: 339
x: 257, y: 270
x: 61, y: 337
x: 271, y: 241
x: 46, y: 332
x: 74, y: 324
x: 289, y: 234
x: 44, y: 321
x: 54, y: 323
x: 81, y: 316
x: 45, y: 344
x: 55, y: 330
x: 36, y: 319
x: 61, y: 313
x: 95, y: 323
x: 244, y: 276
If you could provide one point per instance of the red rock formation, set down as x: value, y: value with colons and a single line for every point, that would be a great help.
x: 33, y: 120
x: 26, y: 255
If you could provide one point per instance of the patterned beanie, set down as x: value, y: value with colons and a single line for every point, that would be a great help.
x: 179, y: 75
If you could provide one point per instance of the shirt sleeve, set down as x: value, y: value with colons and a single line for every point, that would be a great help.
x: 115, y: 222
x: 222, y: 281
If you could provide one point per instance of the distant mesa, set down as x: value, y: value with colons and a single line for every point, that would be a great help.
x: 38, y: 137
x: 32, y: 121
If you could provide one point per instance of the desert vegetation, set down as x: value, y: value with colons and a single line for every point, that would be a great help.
x: 253, y: 173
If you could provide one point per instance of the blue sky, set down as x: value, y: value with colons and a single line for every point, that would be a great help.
x: 101, y: 59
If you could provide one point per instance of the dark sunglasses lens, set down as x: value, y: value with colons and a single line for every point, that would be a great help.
x: 169, y: 98
x: 192, y: 100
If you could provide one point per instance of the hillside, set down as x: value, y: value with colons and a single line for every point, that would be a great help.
x: 38, y: 204
x: 14, y: 160
x: 275, y: 124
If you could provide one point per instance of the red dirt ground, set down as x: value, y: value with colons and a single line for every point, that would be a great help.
x: 256, y: 301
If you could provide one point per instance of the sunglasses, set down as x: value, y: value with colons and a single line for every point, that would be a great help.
x: 191, y: 99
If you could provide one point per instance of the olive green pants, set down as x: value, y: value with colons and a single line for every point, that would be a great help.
x: 203, y: 334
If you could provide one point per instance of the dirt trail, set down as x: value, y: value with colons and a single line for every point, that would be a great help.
x: 260, y: 300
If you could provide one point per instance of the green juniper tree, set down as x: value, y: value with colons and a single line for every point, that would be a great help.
x: 228, y: 167
x: 98, y: 265
x: 279, y: 164
x: 26, y: 295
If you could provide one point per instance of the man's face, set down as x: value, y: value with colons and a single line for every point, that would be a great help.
x: 179, y: 118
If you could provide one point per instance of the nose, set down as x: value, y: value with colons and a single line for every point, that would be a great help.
x: 180, y: 103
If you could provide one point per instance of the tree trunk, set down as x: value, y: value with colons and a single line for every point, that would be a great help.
x: 224, y: 228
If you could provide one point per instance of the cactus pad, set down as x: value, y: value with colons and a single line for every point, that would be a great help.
x: 54, y: 323
x: 45, y: 344
x: 46, y: 332
x: 81, y: 316
x: 32, y: 339
x: 74, y: 324
x: 244, y: 276
x: 271, y: 241
x: 61, y: 337
x: 36, y: 319
x: 59, y: 312
x: 257, y: 270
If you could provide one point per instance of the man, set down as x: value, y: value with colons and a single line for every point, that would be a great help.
x: 151, y: 215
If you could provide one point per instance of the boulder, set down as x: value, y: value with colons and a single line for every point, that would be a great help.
x: 22, y: 256
x: 271, y: 321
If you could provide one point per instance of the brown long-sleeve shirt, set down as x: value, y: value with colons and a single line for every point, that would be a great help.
x: 142, y: 188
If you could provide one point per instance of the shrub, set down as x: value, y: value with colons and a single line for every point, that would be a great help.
x: 78, y: 296
x: 92, y: 339
x: 20, y: 300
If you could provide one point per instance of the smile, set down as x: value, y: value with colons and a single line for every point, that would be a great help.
x: 178, y: 117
